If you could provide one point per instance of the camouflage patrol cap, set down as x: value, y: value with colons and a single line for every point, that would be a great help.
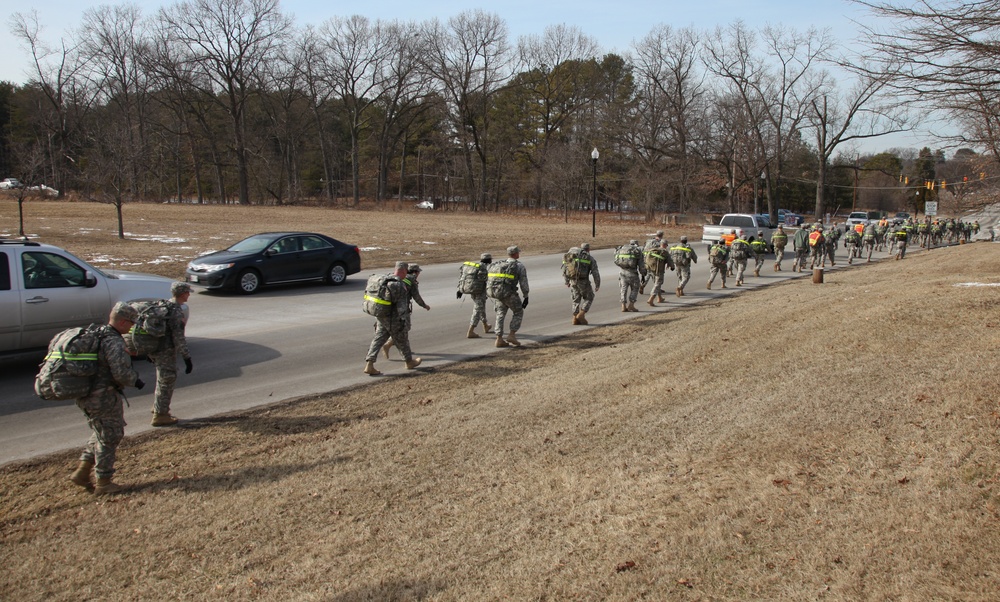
x: 513, y: 250
x: 684, y: 239
x: 633, y: 242
x: 179, y: 288
x: 659, y: 233
x: 414, y: 268
x: 585, y: 246
x: 402, y: 265
x: 486, y: 257
x: 780, y: 227
x: 124, y: 311
x: 760, y: 233
x: 733, y: 231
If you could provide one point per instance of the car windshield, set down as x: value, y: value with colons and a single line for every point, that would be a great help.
x: 254, y: 244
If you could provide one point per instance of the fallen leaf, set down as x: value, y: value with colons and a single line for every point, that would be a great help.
x: 628, y: 565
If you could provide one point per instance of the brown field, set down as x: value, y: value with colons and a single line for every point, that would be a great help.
x: 797, y: 442
x: 162, y: 238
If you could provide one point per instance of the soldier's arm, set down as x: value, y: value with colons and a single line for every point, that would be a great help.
x: 177, y: 326
x: 595, y: 272
x: 118, y: 360
x: 523, y: 278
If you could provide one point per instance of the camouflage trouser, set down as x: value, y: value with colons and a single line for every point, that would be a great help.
x: 717, y: 269
x: 106, y: 418
x: 817, y: 256
x: 868, y: 247
x: 500, y: 306
x: 801, y: 255
x: 758, y: 262
x: 831, y: 251
x: 398, y: 330
x: 901, y: 253
x: 478, y: 308
x: 582, y: 293
x: 683, y: 275
x: 165, y: 361
x: 629, y: 283
x: 779, y: 254
x: 852, y: 250
x: 739, y: 267
x: 657, y: 283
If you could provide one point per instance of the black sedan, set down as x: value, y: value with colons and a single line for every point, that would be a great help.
x: 276, y: 258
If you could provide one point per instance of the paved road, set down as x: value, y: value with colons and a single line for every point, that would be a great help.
x: 293, y: 341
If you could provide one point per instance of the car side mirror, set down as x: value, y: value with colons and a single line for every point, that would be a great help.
x: 89, y: 279
x: 270, y: 251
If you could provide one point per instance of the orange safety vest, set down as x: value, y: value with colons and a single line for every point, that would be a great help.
x: 859, y: 228
x: 815, y: 237
x: 728, y: 239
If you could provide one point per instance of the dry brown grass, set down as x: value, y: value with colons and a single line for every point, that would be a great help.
x: 795, y: 442
x: 162, y: 238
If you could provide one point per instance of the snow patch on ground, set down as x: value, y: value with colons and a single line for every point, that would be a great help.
x: 971, y: 284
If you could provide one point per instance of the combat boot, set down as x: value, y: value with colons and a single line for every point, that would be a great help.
x: 413, y: 363
x: 576, y: 319
x: 163, y: 420
x: 756, y: 273
x: 582, y: 317
x: 649, y: 301
x: 500, y: 342
x: 512, y: 340
x: 709, y: 286
x: 680, y: 293
x: 724, y: 285
x: 624, y: 307
x: 660, y: 298
x: 631, y: 306
x: 370, y: 369
x: 81, y: 476
x: 472, y: 333
x: 386, y: 348
x: 106, y: 487
x: 487, y: 328
x: 642, y: 289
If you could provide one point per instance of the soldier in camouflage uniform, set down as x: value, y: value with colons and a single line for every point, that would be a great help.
x: 630, y: 279
x: 800, y: 244
x: 479, y: 296
x: 817, y: 247
x: 830, y: 238
x: 759, y: 247
x: 901, y: 236
x: 852, y: 240
x: 172, y: 344
x: 651, y: 244
x: 395, y: 325
x: 868, y: 239
x: 581, y: 292
x: 512, y: 302
x: 683, y: 256
x: 103, y: 404
x: 778, y: 241
x: 718, y: 256
x: 413, y: 294
x: 739, y: 252
x: 657, y: 262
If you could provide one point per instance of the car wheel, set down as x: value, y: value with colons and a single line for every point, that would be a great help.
x: 337, y: 274
x: 248, y: 282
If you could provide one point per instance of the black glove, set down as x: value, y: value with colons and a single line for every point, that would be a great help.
x: 524, y: 303
x: 139, y: 384
x: 458, y: 294
x: 188, y: 366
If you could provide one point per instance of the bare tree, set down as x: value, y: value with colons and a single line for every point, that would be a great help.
x: 471, y: 60
x: 226, y: 43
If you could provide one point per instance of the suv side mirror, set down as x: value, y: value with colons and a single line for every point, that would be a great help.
x: 89, y: 279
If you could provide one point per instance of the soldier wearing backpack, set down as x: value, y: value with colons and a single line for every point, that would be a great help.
x: 739, y: 252
x: 579, y: 266
x: 502, y: 283
x: 413, y: 290
x: 718, y: 256
x: 683, y: 256
x: 163, y: 346
x: 472, y: 282
x: 630, y: 261
x: 393, y: 322
x: 759, y: 247
x: 103, y: 405
x: 651, y: 244
x: 657, y: 262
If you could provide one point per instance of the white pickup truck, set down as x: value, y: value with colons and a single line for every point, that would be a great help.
x: 45, y: 289
x: 741, y: 222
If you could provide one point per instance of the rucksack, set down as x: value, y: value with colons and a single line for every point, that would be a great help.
x: 654, y: 258
x: 154, y: 317
x: 739, y: 249
x: 501, y: 281
x: 718, y: 254
x: 627, y: 257
x: 378, y: 297
x: 576, y: 264
x: 70, y: 364
x: 472, y: 278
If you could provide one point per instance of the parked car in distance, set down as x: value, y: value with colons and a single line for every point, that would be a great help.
x: 425, y: 205
x: 857, y: 217
x: 900, y: 217
x: 747, y: 223
x: 45, y: 289
x: 44, y: 190
x: 275, y: 258
x: 9, y: 183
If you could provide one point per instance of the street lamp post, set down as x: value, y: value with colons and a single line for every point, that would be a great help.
x: 594, y: 156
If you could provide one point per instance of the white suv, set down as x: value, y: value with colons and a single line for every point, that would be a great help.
x: 45, y: 289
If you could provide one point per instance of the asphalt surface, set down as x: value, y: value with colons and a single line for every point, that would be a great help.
x: 306, y: 339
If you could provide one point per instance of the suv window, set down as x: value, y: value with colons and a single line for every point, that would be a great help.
x: 4, y: 272
x: 48, y: 270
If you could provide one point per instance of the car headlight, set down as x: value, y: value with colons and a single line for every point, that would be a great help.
x: 209, y: 267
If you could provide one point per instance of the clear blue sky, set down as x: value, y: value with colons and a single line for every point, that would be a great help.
x: 615, y: 24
